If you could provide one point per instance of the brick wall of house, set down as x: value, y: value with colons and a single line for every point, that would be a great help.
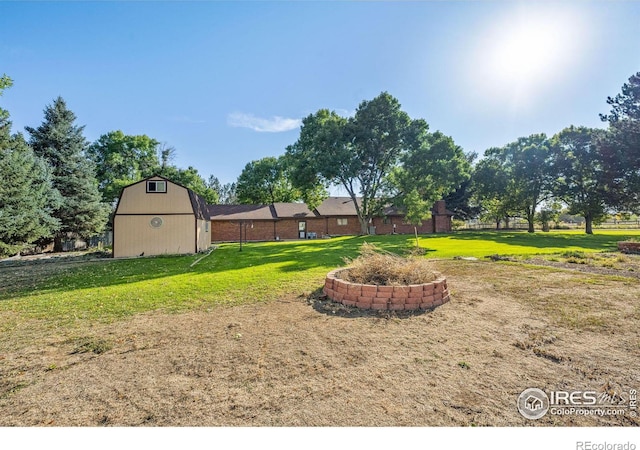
x: 351, y: 228
x: 401, y: 227
x: 266, y: 230
x: 256, y: 230
x: 288, y: 228
x: 443, y: 224
x: 318, y: 226
x: 263, y: 230
x: 269, y: 230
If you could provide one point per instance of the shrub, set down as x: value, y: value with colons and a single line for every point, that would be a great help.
x: 375, y: 266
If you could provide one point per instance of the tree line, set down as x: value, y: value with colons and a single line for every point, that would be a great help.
x: 56, y: 184
x: 592, y: 172
x: 382, y: 156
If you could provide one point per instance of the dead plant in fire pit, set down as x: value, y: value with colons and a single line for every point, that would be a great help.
x: 376, y: 266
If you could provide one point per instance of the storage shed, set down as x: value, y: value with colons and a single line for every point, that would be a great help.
x: 156, y: 216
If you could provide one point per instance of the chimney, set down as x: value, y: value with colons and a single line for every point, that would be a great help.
x: 440, y: 208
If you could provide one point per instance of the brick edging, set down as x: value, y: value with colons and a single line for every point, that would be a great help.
x: 395, y: 298
x: 629, y: 247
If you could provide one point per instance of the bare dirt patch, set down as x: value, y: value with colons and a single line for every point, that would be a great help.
x: 302, y: 361
x: 614, y: 264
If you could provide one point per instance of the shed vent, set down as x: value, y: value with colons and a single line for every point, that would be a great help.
x: 156, y: 222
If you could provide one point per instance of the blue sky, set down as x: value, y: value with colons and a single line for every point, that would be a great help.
x: 228, y: 82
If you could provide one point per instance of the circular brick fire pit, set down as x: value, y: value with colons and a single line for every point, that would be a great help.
x: 396, y: 298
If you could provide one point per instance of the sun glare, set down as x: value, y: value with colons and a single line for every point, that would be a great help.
x: 521, y: 55
x: 526, y: 53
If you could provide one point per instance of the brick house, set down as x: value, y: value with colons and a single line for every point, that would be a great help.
x: 335, y: 216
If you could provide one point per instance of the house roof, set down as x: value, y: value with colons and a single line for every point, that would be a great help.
x: 242, y: 212
x: 330, y: 207
x: 199, y: 204
x: 337, y: 206
x: 292, y: 210
x: 396, y: 211
x: 392, y: 211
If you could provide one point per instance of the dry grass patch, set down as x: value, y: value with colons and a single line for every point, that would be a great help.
x: 287, y: 363
x: 375, y: 266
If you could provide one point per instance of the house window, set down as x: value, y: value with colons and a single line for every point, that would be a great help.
x: 342, y: 222
x: 206, y: 226
x: 386, y: 221
x: 156, y: 186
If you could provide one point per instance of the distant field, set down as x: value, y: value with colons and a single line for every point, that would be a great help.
x: 483, y: 243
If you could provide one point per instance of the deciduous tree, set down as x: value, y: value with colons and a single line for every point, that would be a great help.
x: 356, y: 153
x: 580, y: 178
x: 122, y: 159
x: 265, y: 181
x: 490, y: 186
x: 432, y: 167
x: 524, y: 170
x: 189, y: 178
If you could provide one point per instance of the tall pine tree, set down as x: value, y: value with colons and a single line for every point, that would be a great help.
x: 27, y: 197
x: 61, y: 143
x: 620, y: 147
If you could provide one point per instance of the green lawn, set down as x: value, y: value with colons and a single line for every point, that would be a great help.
x: 106, y: 290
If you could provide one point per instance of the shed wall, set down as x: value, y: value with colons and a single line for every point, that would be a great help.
x: 204, y: 234
x: 134, y: 235
x: 136, y: 200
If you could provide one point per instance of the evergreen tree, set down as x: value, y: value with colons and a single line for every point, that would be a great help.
x: 27, y: 197
x: 226, y: 192
x: 63, y: 146
x: 620, y: 147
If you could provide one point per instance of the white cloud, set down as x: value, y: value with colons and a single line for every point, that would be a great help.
x: 276, y: 124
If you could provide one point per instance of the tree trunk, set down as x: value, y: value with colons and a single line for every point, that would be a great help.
x: 497, y: 224
x: 415, y: 229
x: 57, y: 244
x: 364, y: 226
x: 506, y: 222
x: 530, y: 223
x: 531, y: 214
x: 588, y: 224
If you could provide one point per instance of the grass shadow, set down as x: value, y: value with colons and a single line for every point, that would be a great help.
x: 294, y: 256
x: 30, y: 277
